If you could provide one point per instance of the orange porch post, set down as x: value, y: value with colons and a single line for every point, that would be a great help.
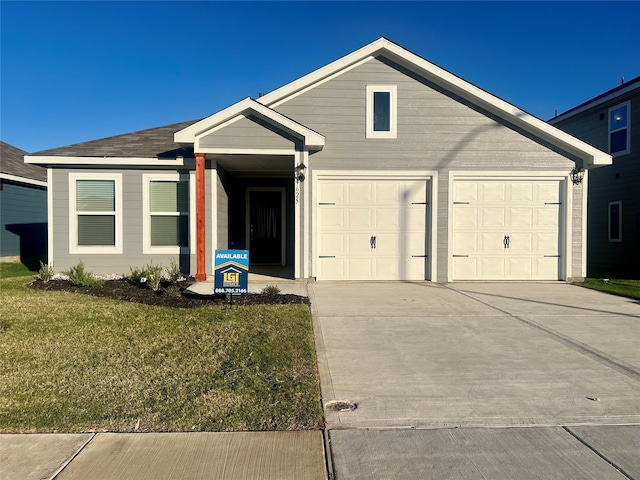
x: 201, y: 273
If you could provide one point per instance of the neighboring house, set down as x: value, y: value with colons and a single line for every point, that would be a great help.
x: 23, y: 208
x: 611, y: 122
x: 378, y: 166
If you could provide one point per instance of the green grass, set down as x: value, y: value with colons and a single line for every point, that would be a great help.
x: 623, y: 288
x: 15, y: 269
x: 74, y: 363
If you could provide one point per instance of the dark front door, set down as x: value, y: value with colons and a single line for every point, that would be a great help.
x: 265, y: 227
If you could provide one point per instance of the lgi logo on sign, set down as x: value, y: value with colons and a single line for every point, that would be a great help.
x: 231, y: 271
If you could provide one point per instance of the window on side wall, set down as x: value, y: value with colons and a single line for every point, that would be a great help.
x: 95, y: 213
x: 619, y: 129
x: 166, y: 207
x: 615, y: 221
x: 381, y: 111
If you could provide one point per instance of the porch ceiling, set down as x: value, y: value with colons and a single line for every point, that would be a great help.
x: 256, y: 165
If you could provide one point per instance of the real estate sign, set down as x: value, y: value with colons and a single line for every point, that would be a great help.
x: 231, y: 271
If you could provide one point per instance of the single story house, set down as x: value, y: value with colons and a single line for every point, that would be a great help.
x: 611, y: 122
x: 23, y: 208
x: 377, y: 166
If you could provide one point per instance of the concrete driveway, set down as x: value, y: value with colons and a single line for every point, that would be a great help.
x: 426, y: 358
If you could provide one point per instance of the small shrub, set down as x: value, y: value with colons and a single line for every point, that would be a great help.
x: 173, y: 272
x: 82, y: 278
x: 271, y: 290
x: 138, y: 275
x: 154, y: 276
x: 46, y: 272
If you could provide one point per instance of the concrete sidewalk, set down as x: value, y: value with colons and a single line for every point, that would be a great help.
x: 159, y: 456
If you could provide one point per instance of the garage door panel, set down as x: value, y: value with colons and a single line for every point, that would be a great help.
x: 548, y: 191
x: 520, y: 267
x: 492, y: 217
x: 387, y: 219
x: 415, y: 218
x: 464, y: 216
x: 465, y: 242
x: 548, y: 217
x: 546, y: 267
x: 521, y: 192
x: 521, y: 217
x: 493, y: 192
x: 491, y: 243
x: 332, y: 218
x: 359, y: 217
x: 332, y: 243
x: 528, y: 212
x: 350, y: 212
x: 547, y: 243
x: 331, y: 268
x: 359, y: 193
x: 465, y: 268
x: 520, y: 243
x: 331, y: 192
x: 492, y: 267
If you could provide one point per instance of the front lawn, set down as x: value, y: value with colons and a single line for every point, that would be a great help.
x: 72, y: 363
x: 623, y: 288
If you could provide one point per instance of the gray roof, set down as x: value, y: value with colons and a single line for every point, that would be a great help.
x: 151, y: 143
x: 12, y: 163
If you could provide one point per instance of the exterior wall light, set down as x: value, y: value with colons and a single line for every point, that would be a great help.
x: 299, y: 172
x: 577, y: 174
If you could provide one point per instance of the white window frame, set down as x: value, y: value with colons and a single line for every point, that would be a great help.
x: 74, y: 248
x: 619, y: 239
x: 627, y: 150
x: 393, y: 111
x: 147, y: 248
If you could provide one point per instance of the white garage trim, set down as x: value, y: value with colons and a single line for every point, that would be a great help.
x: 376, y: 175
x: 566, y: 209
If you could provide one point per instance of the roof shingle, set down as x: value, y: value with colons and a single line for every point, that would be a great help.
x: 150, y: 143
x: 12, y: 163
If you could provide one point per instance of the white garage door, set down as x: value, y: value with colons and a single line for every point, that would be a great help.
x: 506, y: 230
x: 372, y: 229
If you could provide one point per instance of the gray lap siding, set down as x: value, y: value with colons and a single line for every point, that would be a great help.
x: 132, y: 227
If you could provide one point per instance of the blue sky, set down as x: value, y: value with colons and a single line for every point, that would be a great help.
x: 77, y: 71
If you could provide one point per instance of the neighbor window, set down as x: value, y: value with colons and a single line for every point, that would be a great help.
x: 95, y: 213
x: 166, y: 213
x: 619, y: 129
x: 381, y: 111
x: 615, y: 221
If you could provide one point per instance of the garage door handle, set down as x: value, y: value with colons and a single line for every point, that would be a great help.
x: 372, y: 241
x: 506, y: 241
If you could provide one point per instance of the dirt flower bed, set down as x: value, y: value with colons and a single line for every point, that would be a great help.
x: 167, y: 296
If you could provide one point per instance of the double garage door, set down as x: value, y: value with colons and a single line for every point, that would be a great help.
x: 379, y: 229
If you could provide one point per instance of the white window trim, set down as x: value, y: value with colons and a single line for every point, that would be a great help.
x: 74, y: 248
x: 147, y: 248
x: 393, y: 107
x: 619, y: 239
x: 627, y: 150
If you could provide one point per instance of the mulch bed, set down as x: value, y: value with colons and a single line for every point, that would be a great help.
x: 167, y: 296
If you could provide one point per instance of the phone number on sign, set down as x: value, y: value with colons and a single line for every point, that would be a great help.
x: 230, y: 290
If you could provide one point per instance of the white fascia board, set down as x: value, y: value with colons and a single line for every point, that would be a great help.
x: 109, y: 161
x: 594, y: 103
x: 17, y: 179
x: 313, y: 140
x: 477, y: 96
x: 244, y: 151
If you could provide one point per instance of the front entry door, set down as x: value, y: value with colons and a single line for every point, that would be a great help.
x: 265, y: 227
